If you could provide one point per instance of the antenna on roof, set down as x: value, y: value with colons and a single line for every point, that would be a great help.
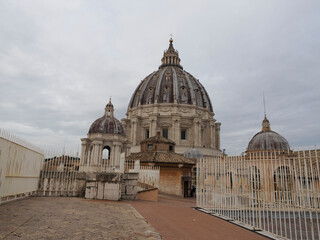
x: 264, y: 106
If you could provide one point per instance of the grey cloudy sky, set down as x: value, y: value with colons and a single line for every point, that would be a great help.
x: 61, y: 60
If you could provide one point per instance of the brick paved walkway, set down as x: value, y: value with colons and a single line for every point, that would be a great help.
x: 72, y: 218
x: 77, y: 218
x: 174, y: 219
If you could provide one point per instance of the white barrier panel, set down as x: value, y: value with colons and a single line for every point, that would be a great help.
x: 20, y: 165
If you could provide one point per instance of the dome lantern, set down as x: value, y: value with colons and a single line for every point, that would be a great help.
x: 170, y: 57
x: 109, y: 109
x: 266, y: 125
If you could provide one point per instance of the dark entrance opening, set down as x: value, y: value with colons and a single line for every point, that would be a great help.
x: 185, y: 189
x: 186, y: 181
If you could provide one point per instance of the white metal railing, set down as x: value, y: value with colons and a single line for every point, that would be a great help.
x: 13, y: 138
x: 278, y: 192
x: 148, y: 175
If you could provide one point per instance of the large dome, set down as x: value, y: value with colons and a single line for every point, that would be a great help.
x: 170, y: 84
x: 107, y: 124
x: 173, y: 102
x: 266, y: 140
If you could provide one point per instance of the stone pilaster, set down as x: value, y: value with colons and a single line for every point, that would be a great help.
x: 176, y: 129
x: 83, y: 157
x: 218, y: 124
x: 95, y: 159
x: 153, y: 124
x: 197, y: 131
x: 117, y: 151
x: 134, y: 132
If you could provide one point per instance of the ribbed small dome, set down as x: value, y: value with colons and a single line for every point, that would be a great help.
x: 192, y: 153
x: 268, y: 140
x: 171, y: 84
x: 107, y: 124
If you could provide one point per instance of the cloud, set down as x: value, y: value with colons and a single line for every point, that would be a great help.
x: 61, y: 61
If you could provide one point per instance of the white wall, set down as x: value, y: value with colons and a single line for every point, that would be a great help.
x: 20, y: 165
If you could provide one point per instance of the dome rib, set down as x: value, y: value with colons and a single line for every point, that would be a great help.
x: 175, y: 85
x: 133, y: 98
x: 157, y: 91
x: 193, y: 97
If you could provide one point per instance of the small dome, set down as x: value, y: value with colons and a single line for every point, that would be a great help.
x: 107, y: 124
x: 268, y: 140
x: 192, y: 153
x: 171, y: 84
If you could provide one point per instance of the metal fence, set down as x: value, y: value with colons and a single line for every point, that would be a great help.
x: 61, y: 173
x: 273, y: 192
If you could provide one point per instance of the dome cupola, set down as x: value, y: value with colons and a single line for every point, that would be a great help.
x: 170, y: 84
x: 267, y: 140
x: 107, y: 124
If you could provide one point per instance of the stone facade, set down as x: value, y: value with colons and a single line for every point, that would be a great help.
x: 171, y: 180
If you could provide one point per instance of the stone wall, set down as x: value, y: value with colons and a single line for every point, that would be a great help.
x: 111, y: 186
x: 105, y: 185
x: 129, y: 186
